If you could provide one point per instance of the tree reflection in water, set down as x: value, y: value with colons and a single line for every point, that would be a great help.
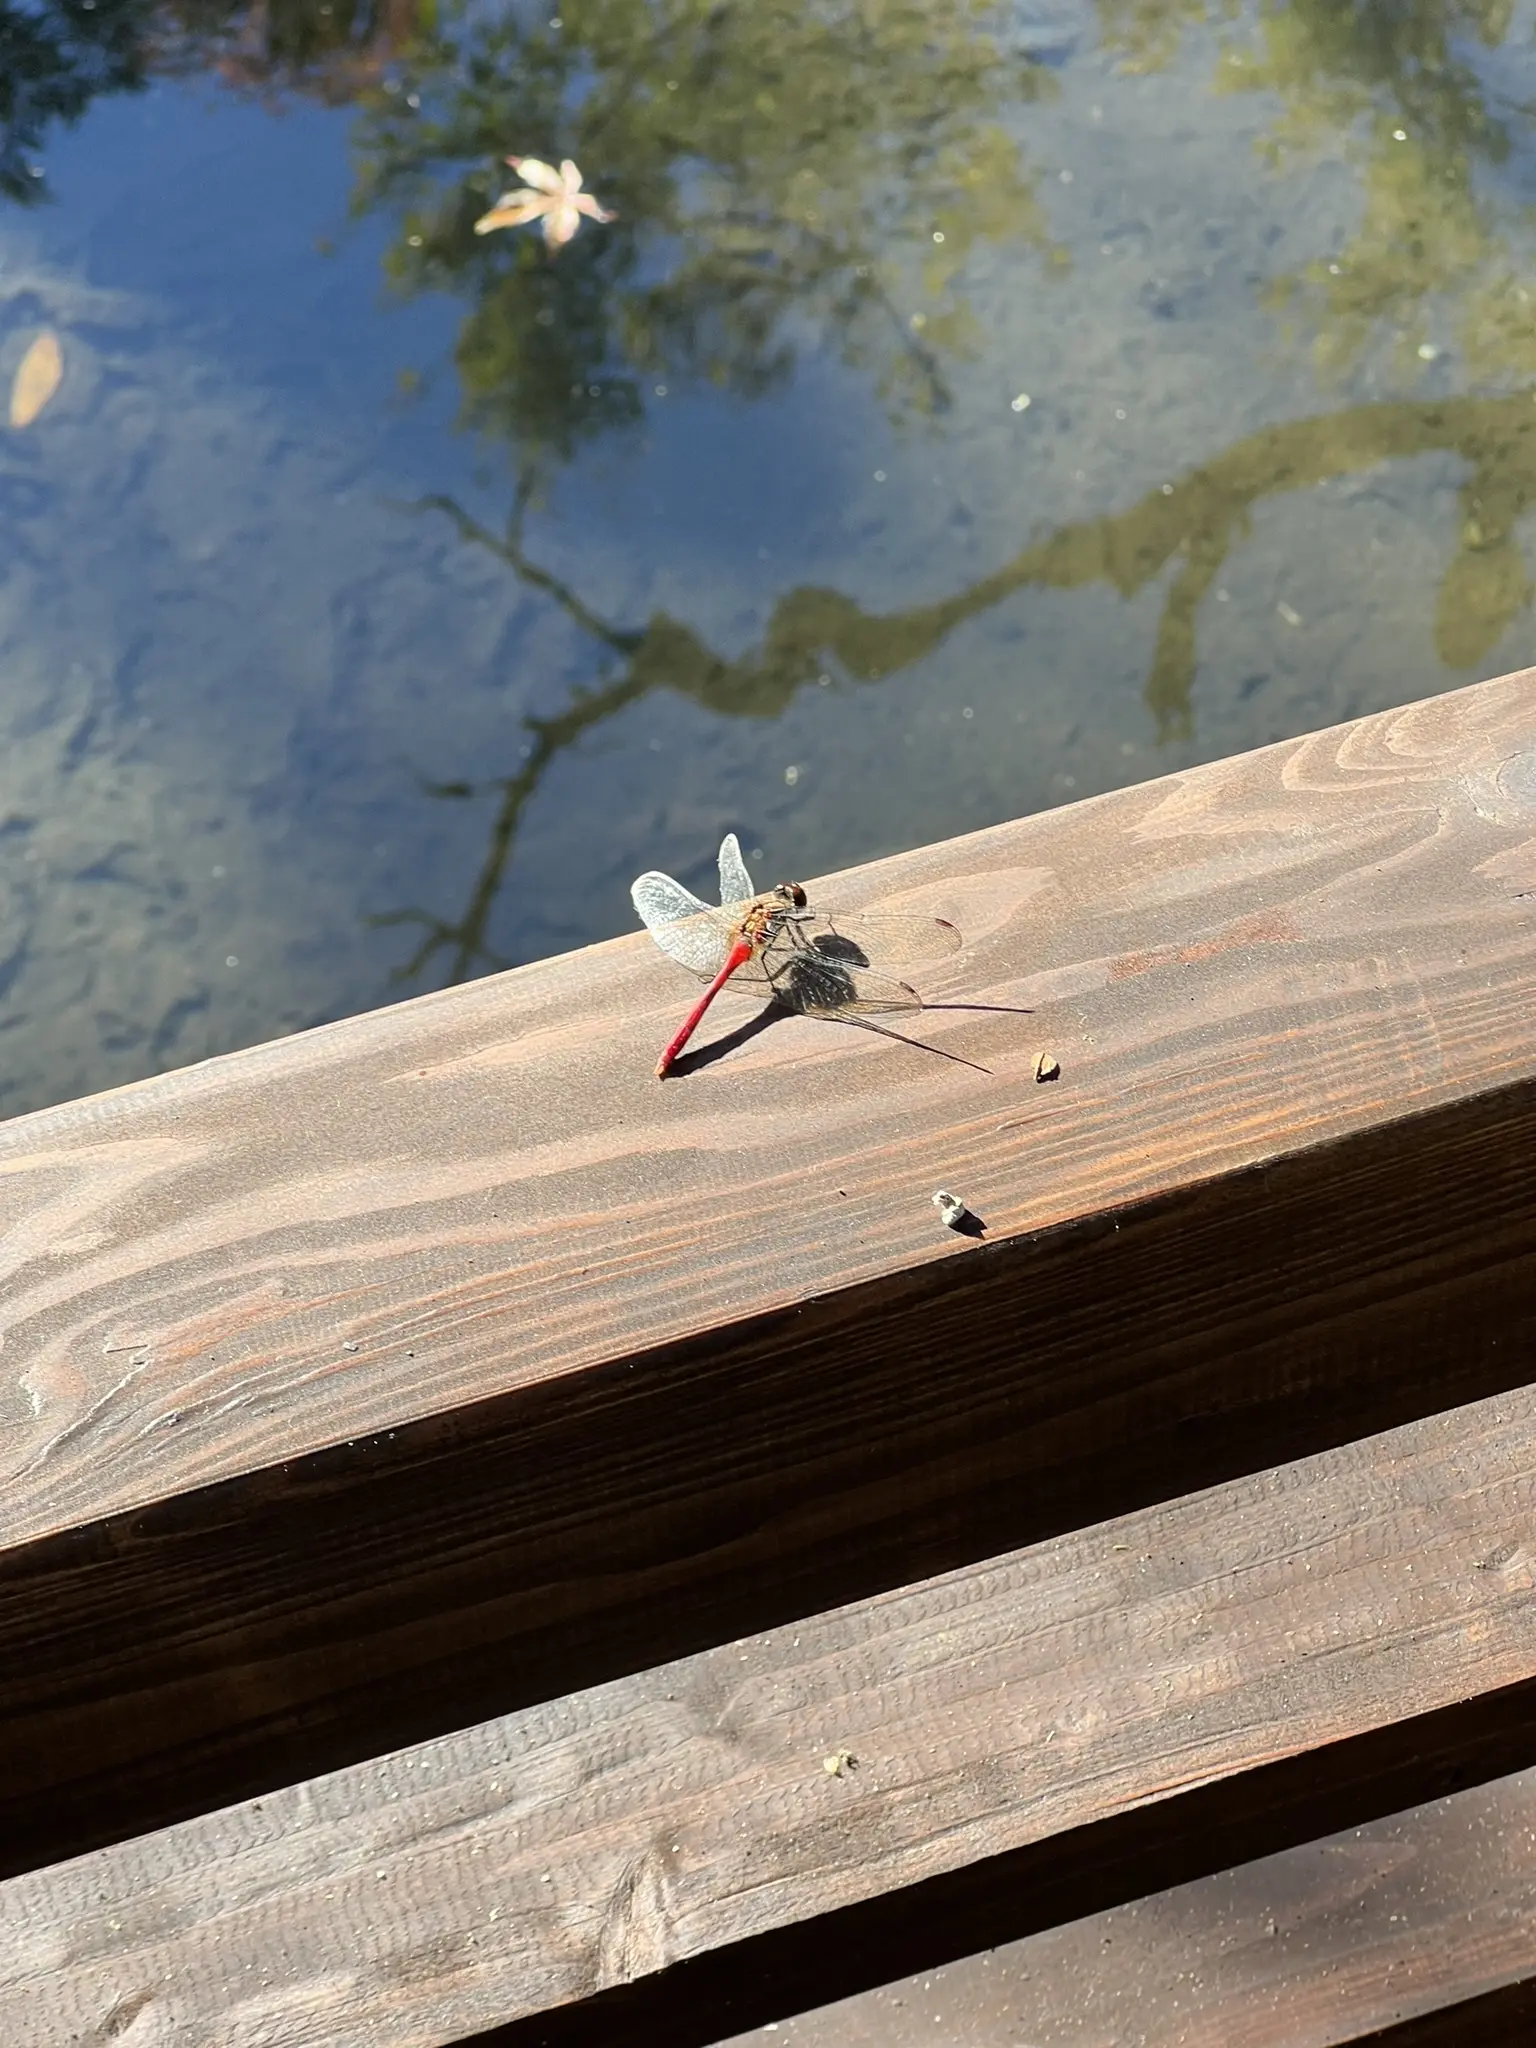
x: 784, y: 198
x: 54, y: 61
x: 328, y: 50
x: 1191, y: 529
x: 795, y: 174
x: 782, y: 172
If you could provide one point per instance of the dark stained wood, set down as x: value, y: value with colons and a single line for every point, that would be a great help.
x: 1088, y: 1870
x: 601, y: 1838
x: 1428, y: 1918
x: 1505, y: 2018
x: 438, y: 1362
x: 390, y: 1217
x: 225, y: 1643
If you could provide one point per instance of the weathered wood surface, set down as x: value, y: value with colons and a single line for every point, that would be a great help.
x: 411, y: 1210
x: 1341, y: 1939
x: 688, y: 1358
x: 586, y: 1843
x: 177, y: 1658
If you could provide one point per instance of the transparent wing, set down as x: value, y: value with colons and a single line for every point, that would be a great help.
x: 686, y: 930
x: 870, y: 939
x: 735, y: 882
x: 826, y: 964
x: 826, y: 987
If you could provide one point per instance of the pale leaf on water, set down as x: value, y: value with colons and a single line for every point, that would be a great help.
x: 42, y: 369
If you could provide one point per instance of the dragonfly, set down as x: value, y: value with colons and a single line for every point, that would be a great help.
x: 776, y: 945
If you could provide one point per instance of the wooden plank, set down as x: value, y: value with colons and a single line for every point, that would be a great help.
x: 481, y: 1188
x: 169, y: 1659
x: 1419, y: 1914
x: 610, y: 1368
x: 601, y: 1838
x: 1505, y: 2018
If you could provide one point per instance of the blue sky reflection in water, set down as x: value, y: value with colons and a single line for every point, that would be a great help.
x: 972, y: 407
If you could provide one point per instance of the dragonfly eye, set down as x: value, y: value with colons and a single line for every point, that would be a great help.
x: 795, y: 894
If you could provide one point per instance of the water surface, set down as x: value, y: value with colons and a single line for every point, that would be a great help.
x: 971, y: 407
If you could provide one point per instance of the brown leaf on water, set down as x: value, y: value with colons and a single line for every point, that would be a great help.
x: 41, y: 371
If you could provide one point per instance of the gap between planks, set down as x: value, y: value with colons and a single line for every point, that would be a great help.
x: 591, y: 1841
x: 1339, y: 1939
x: 371, y: 1383
x: 482, y: 1190
x: 269, y: 1630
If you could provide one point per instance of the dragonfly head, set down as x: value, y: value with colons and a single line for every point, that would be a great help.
x: 791, y: 895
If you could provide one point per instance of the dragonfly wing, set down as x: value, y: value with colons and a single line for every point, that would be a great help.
x: 659, y: 900
x: 868, y: 939
x: 735, y: 882
x: 686, y: 930
x: 825, y: 987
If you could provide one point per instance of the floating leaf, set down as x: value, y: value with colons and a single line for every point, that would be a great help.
x: 42, y: 368
x: 557, y: 195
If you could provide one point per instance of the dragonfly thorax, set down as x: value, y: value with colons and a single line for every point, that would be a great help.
x: 766, y: 916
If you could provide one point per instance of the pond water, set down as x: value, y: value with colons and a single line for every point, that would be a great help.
x: 969, y: 408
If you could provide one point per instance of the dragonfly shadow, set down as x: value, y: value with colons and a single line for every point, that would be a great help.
x: 772, y: 1013
x: 837, y: 946
x: 706, y: 1055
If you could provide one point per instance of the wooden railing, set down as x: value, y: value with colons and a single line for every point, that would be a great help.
x: 763, y: 1590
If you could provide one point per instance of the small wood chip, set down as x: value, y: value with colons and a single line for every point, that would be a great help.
x: 840, y: 1763
x: 37, y: 378
x: 1047, y: 1067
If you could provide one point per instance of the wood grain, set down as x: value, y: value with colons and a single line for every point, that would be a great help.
x: 603, y: 1837
x: 436, y: 1362
x: 262, y: 1630
x: 1344, y: 1938
x: 411, y: 1210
